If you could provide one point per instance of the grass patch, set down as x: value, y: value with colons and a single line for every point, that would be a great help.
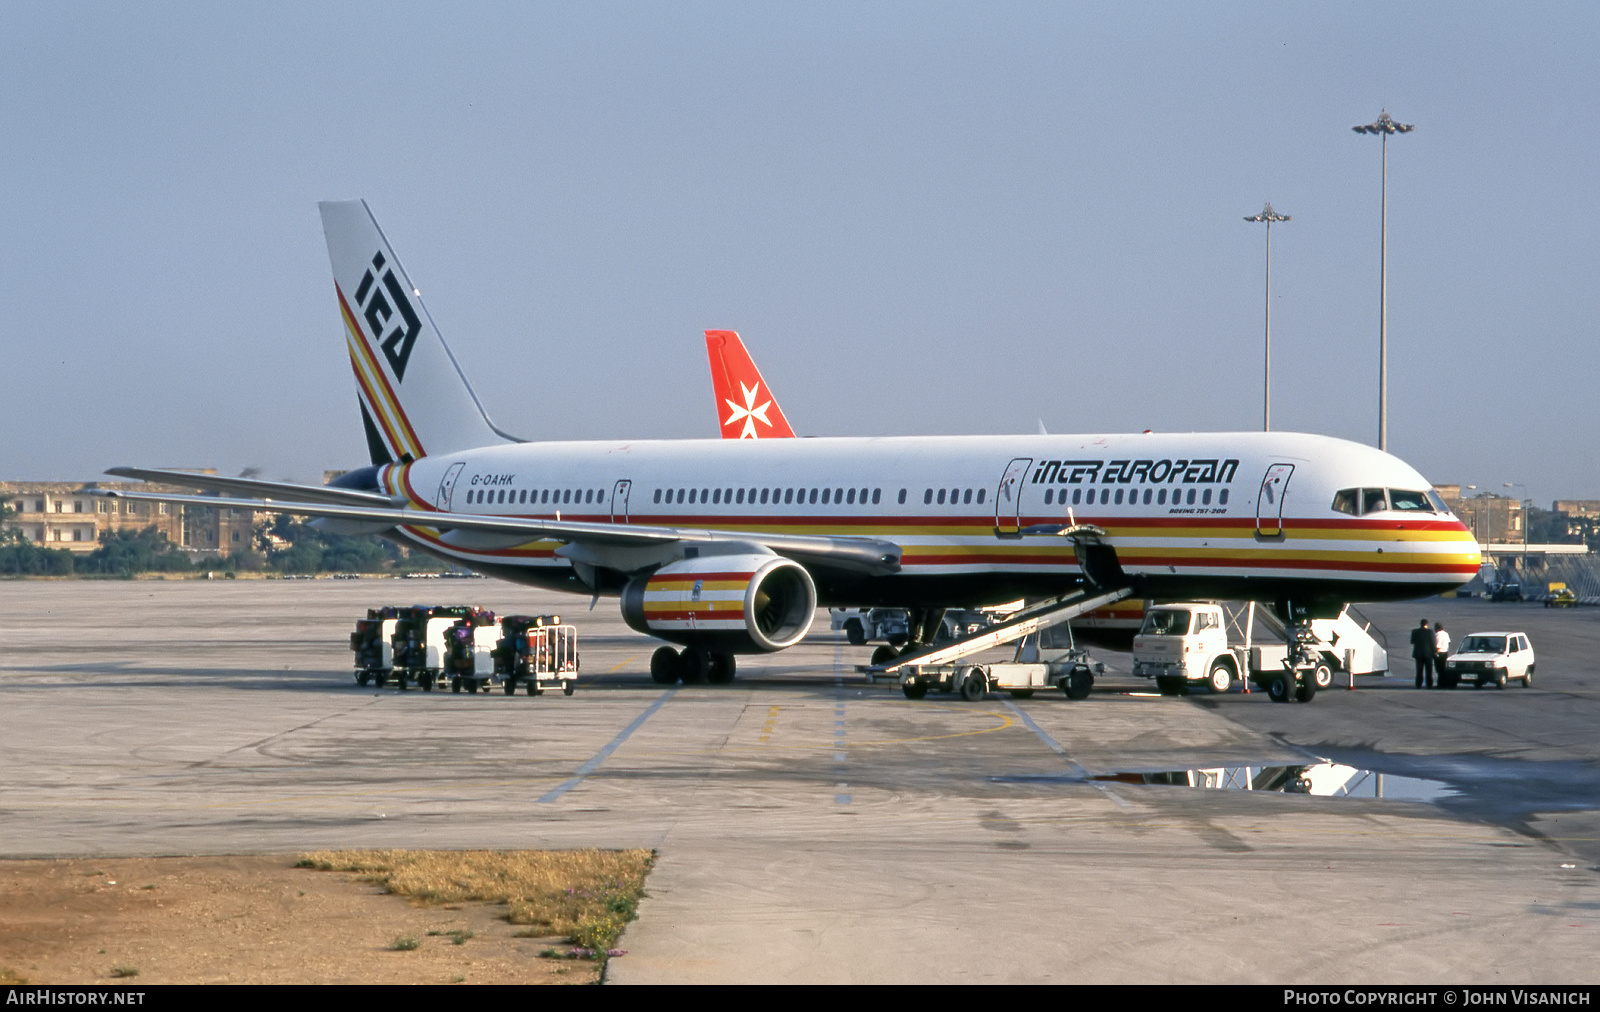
x: 124, y: 971
x: 457, y: 937
x: 10, y: 976
x: 588, y: 896
x: 404, y: 943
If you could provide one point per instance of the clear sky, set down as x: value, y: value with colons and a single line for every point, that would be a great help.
x: 922, y: 217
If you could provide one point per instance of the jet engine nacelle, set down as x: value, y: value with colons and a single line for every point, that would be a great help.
x: 728, y: 603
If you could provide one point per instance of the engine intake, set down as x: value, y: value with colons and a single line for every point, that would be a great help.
x: 730, y: 603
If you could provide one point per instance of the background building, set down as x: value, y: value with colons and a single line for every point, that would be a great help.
x: 61, y: 514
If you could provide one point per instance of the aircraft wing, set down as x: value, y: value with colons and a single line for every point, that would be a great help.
x: 866, y: 554
x: 277, y: 490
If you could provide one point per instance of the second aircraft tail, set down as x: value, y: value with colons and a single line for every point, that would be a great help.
x: 746, y: 408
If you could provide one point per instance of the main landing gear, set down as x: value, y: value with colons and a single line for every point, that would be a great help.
x: 691, y: 666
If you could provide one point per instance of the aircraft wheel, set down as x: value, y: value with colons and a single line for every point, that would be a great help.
x: 883, y: 655
x: 1078, y: 684
x: 914, y: 689
x: 362, y: 679
x: 1280, y: 689
x: 663, y: 666
x: 1221, y: 678
x: 566, y: 688
x: 402, y: 683
x: 693, y: 665
x: 533, y: 687
x: 854, y: 633
x: 1323, y: 677
x: 381, y: 680
x: 973, y: 685
x: 455, y: 684
x: 1306, y: 691
x: 511, y: 686
x: 721, y: 669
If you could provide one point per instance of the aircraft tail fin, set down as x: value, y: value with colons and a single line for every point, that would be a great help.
x: 746, y: 408
x: 414, y: 398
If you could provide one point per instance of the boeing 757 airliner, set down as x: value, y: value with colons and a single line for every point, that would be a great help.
x: 728, y: 546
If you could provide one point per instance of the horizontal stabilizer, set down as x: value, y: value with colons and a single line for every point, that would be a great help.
x: 255, y: 487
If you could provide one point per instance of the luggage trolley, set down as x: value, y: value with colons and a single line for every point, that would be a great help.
x: 538, y: 652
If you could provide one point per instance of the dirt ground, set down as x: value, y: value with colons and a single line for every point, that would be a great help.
x: 249, y: 920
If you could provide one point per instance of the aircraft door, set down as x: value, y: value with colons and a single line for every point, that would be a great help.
x: 619, y: 501
x: 1269, y: 503
x: 1008, y: 498
x: 447, y: 486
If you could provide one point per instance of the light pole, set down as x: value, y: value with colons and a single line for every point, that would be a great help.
x: 1268, y: 215
x: 1526, y: 515
x: 1383, y: 126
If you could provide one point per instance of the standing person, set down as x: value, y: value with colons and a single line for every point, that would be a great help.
x: 1422, y: 650
x: 1441, y: 649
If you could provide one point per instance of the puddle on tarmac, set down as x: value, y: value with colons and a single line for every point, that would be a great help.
x: 1331, y: 780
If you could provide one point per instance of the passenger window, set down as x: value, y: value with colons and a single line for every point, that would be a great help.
x: 850, y: 498
x: 1105, y: 496
x: 980, y: 496
x: 691, y: 496
x: 941, y: 497
x: 704, y: 498
x: 877, y: 493
x: 1119, y: 497
x: 788, y: 495
x: 716, y: 496
x: 825, y: 495
x: 1147, y: 497
x: 927, y: 496
x: 763, y: 497
x: 1189, y: 499
x: 838, y: 493
x: 1373, y: 501
x: 727, y: 494
x: 1161, y: 497
x: 966, y: 497
x: 741, y: 497
x: 1222, y: 498
x: 1049, y: 493
x: 1205, y: 497
x: 1077, y: 497
x: 813, y: 497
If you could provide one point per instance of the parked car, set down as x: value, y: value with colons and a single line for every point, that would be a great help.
x: 1509, y: 591
x: 1489, y: 658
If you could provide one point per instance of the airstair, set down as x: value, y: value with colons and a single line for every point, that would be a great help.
x: 1032, y: 619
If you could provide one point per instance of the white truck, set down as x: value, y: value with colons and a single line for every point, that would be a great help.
x: 1205, y: 644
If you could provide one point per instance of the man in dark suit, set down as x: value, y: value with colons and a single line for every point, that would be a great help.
x: 1422, y: 651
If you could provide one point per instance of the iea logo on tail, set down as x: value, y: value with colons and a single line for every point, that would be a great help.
x: 379, y: 303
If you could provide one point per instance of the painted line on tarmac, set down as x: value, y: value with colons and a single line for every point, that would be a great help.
x: 582, y: 772
x: 1060, y: 750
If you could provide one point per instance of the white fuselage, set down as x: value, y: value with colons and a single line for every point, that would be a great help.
x: 1240, y: 515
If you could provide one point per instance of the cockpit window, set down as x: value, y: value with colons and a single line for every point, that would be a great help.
x: 1372, y: 501
x: 1166, y: 622
x: 1346, y: 500
x: 1438, y: 502
x: 1409, y: 502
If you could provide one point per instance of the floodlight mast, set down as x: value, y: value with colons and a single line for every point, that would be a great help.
x: 1269, y: 216
x: 1383, y: 126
